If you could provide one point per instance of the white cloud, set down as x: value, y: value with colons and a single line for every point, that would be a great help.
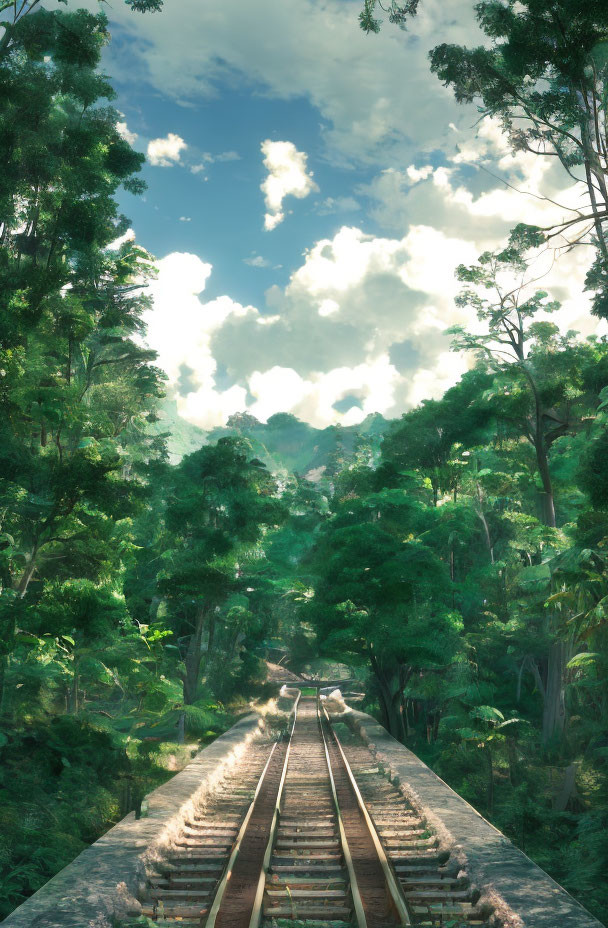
x: 257, y: 261
x: 312, y: 399
x: 328, y: 307
x: 208, y: 159
x: 185, y: 219
x: 362, y: 315
x: 330, y: 335
x: 287, y: 176
x: 482, y: 205
x: 125, y: 133
x: 316, y: 51
x: 164, y: 153
x: 418, y: 174
x: 226, y: 156
x: 179, y: 328
x: 129, y: 236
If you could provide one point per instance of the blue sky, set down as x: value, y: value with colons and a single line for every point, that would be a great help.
x: 374, y: 183
x: 224, y: 205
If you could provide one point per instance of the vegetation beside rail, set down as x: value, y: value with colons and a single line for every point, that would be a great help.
x: 455, y: 560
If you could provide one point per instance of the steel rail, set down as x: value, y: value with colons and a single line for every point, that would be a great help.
x: 256, y: 912
x: 392, y: 884
x: 224, y: 882
x: 348, y: 860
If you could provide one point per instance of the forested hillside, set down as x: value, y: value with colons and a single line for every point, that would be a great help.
x: 454, y: 559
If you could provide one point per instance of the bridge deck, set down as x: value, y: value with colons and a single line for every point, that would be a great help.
x: 427, y: 858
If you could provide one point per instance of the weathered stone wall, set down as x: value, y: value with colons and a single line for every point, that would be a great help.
x: 523, y: 895
x: 100, y: 886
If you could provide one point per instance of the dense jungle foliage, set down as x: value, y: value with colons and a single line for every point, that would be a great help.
x: 454, y: 560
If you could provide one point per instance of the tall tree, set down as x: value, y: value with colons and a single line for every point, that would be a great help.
x: 13, y: 15
x: 219, y: 507
x: 507, y: 316
x: 77, y: 390
x: 543, y: 73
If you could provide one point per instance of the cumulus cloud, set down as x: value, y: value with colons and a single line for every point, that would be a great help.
x: 314, y: 51
x: 288, y: 175
x: 479, y: 194
x: 418, y: 174
x: 125, y: 133
x: 359, y: 328
x: 324, y: 338
x: 164, y: 153
x: 128, y: 236
x: 179, y: 328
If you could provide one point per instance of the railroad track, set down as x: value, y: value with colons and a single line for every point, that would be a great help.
x: 308, y: 833
x: 182, y: 887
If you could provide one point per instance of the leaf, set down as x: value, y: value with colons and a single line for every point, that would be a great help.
x: 563, y: 596
x: 511, y: 722
x: 487, y: 713
x: 28, y: 638
x: 584, y: 659
x: 469, y: 734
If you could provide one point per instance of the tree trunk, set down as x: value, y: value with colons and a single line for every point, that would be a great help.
x: 548, y: 501
x: 567, y: 791
x: 396, y: 728
x: 193, y: 665
x: 488, y: 753
x: 8, y: 631
x: 69, y: 361
x: 554, y: 708
x: 512, y: 758
x: 391, y: 711
x: 28, y: 573
x: 4, y: 659
x: 211, y: 638
x: 390, y: 696
x: 193, y: 657
x: 484, y: 522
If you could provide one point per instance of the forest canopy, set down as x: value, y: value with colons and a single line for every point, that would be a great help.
x: 454, y: 560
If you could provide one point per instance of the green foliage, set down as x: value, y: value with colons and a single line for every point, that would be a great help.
x: 479, y: 626
x: 542, y: 73
x: 139, y: 593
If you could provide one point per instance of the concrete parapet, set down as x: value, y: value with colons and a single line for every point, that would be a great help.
x: 522, y: 895
x: 99, y: 887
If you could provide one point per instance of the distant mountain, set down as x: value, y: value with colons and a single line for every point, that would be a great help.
x: 183, y: 436
x: 285, y: 444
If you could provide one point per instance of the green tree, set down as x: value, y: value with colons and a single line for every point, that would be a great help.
x: 13, y: 16
x: 372, y: 600
x: 78, y: 391
x: 542, y: 72
x: 507, y: 316
x: 219, y: 506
